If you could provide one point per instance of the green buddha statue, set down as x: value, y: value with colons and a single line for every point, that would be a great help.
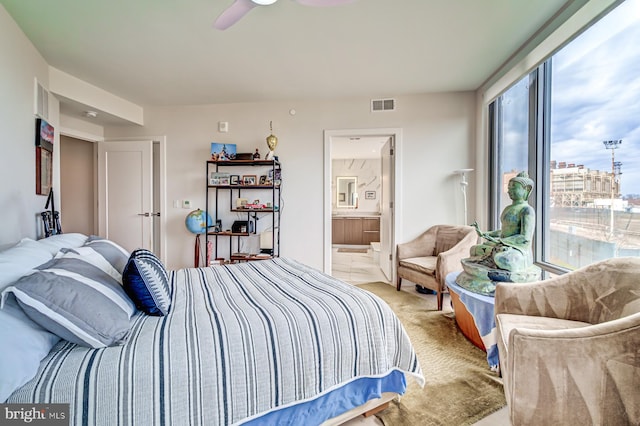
x: 510, y: 247
x: 505, y: 254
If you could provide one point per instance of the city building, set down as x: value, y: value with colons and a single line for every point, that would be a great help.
x: 577, y: 186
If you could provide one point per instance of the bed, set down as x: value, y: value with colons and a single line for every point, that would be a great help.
x: 267, y: 342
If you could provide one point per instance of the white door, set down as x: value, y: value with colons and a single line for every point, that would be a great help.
x: 387, y: 210
x: 125, y: 196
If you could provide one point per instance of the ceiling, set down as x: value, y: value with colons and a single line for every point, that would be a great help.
x: 166, y: 52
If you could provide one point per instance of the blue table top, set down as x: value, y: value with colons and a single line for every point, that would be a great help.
x: 481, y: 309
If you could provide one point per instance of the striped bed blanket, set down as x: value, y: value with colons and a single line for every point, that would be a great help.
x: 239, y: 341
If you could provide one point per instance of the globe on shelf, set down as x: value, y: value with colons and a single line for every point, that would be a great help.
x: 197, y: 221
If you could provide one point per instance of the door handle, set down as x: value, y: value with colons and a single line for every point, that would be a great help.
x: 155, y: 214
x: 144, y: 214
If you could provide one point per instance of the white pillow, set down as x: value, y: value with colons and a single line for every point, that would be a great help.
x: 20, y: 259
x: 55, y: 242
x: 24, y: 344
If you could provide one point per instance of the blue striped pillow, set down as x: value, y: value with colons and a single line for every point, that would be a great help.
x: 76, y: 297
x: 146, y: 281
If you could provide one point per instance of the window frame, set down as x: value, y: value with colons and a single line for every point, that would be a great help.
x: 538, y: 150
x: 539, y: 156
x: 534, y: 56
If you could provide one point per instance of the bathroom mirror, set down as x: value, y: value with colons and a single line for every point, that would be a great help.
x: 347, y: 197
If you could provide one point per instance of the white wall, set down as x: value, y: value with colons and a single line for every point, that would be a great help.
x: 20, y: 63
x: 438, y: 137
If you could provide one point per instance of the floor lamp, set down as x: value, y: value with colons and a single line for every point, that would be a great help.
x: 463, y: 186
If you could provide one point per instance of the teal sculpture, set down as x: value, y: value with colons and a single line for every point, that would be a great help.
x: 505, y: 255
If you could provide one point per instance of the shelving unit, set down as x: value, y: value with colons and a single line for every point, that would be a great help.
x: 217, y: 208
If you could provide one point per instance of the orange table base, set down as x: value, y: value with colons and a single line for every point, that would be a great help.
x: 465, y: 322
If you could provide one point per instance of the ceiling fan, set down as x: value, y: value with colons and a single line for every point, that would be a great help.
x: 239, y: 8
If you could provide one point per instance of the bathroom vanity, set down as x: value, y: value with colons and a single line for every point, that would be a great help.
x: 355, y: 229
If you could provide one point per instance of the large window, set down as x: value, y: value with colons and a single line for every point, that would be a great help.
x: 574, y: 125
x: 512, y: 136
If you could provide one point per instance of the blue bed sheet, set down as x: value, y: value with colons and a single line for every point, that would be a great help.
x: 335, y: 402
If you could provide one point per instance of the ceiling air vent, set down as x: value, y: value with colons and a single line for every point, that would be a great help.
x: 41, y: 101
x: 383, y: 105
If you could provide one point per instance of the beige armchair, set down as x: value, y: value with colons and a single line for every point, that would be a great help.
x: 428, y: 259
x: 570, y: 346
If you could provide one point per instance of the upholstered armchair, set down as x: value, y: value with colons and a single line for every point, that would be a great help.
x: 428, y: 259
x: 570, y: 346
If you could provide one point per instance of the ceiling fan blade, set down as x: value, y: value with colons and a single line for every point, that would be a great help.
x: 321, y: 3
x: 233, y: 14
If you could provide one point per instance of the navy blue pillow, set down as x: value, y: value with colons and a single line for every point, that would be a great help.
x: 147, y: 283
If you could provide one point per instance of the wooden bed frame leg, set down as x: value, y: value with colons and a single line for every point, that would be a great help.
x: 376, y: 409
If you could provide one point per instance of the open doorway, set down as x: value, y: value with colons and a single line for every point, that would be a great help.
x: 79, y: 194
x: 77, y: 185
x: 349, y: 224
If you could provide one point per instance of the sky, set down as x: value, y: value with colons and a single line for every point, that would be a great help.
x: 595, y: 97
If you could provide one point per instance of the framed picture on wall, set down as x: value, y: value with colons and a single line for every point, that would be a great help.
x: 44, y: 156
x: 369, y: 195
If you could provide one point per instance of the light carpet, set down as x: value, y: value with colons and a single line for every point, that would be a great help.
x: 460, y: 388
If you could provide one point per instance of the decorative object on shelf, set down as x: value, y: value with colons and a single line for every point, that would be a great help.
x: 244, y: 156
x: 242, y: 227
x: 263, y: 180
x: 249, y: 179
x: 506, y: 256
x: 463, y: 187
x: 256, y: 155
x: 223, y: 151
x: 274, y: 177
x: 219, y: 178
x: 369, y: 195
x: 234, y: 180
x: 197, y: 222
x: 44, y: 156
x: 256, y: 205
x: 272, y: 142
x: 266, y: 242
